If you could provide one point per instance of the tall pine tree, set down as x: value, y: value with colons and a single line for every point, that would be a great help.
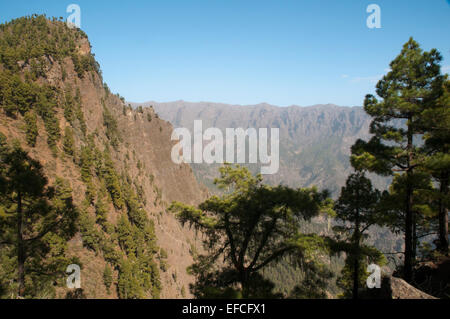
x: 36, y: 220
x: 411, y: 87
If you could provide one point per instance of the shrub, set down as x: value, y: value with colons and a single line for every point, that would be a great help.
x: 31, y: 128
x: 107, y: 277
x: 68, y: 141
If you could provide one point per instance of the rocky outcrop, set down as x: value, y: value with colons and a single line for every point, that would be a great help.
x: 395, y: 288
x: 400, y: 289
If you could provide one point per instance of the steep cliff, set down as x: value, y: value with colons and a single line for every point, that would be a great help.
x: 116, y: 160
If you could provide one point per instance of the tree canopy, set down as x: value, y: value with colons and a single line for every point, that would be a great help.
x: 406, y: 92
x: 250, y: 226
x: 36, y: 221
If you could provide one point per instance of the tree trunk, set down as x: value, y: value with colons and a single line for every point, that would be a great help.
x: 443, y: 214
x: 408, y: 236
x: 244, y: 278
x: 408, y: 212
x: 356, y: 261
x: 414, y: 235
x: 20, y: 248
x: 356, y: 271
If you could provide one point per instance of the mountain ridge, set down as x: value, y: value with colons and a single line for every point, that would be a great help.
x: 315, y: 140
x: 261, y: 104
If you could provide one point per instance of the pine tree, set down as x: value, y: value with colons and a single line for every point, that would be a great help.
x: 423, y: 206
x: 251, y: 226
x: 112, y: 181
x: 107, y: 277
x: 69, y: 107
x: 101, y: 211
x: 31, y: 128
x: 39, y: 219
x: 68, y: 141
x: 409, y: 89
x: 357, y: 209
x: 436, y: 121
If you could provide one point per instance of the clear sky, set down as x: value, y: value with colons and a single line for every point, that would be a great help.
x: 299, y: 52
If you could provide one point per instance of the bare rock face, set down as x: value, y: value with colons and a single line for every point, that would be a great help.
x: 402, y: 290
x: 84, y: 47
x: 395, y: 288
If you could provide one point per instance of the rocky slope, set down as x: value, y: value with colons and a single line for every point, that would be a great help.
x: 315, y: 146
x: 395, y: 288
x: 138, y: 143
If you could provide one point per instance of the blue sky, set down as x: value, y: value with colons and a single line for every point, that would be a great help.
x: 245, y: 51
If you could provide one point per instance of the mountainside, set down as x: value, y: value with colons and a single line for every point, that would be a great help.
x: 315, y: 144
x: 116, y: 160
x: 315, y: 141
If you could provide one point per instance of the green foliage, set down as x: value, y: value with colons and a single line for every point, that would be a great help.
x: 407, y: 92
x: 79, y: 112
x: 436, y: 122
x: 38, y: 221
x: 49, y: 218
x: 423, y: 204
x: 31, y: 127
x: 69, y: 105
x: 28, y: 38
x: 357, y: 209
x: 106, y: 89
x: 112, y: 180
x: 134, y: 231
x: 68, y: 141
x: 163, y: 259
x: 101, y: 212
x: 73, y: 109
x: 128, y: 286
x: 32, y: 38
x: 314, y: 283
x: 136, y: 237
x: 86, y: 163
x: 92, y: 238
x: 366, y: 255
x: 107, y: 277
x: 357, y: 203
x: 84, y: 63
x: 112, y: 131
x: 17, y: 96
x: 260, y: 225
x: 163, y: 253
x: 139, y: 247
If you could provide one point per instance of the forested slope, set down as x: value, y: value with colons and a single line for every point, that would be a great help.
x: 112, y: 162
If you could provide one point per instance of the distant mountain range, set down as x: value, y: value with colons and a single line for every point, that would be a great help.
x: 315, y: 140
